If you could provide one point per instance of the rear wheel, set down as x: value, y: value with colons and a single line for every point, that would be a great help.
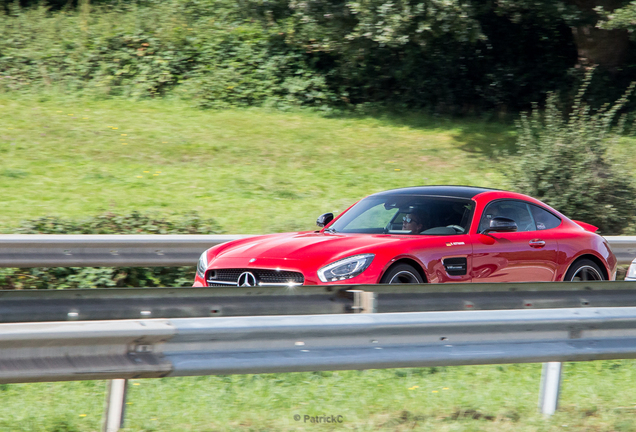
x: 402, y: 274
x: 584, y: 270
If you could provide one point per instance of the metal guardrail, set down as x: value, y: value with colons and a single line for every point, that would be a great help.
x: 497, y: 296
x: 51, y: 250
x: 32, y: 352
x: 40, y: 250
x: 333, y: 342
x: 145, y: 348
x: 624, y: 247
x: 114, y: 304
x: 133, y: 303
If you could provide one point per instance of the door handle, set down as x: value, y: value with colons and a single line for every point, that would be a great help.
x: 536, y: 243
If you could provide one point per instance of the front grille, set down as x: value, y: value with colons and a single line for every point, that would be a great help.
x: 225, y: 277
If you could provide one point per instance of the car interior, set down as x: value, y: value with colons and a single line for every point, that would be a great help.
x: 516, y: 210
x: 441, y: 217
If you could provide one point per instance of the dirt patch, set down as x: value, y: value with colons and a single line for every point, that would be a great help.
x: 471, y: 414
x: 405, y: 418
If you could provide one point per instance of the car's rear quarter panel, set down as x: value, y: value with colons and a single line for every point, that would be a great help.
x: 575, y: 244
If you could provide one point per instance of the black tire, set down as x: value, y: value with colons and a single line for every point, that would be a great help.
x: 402, y: 274
x: 584, y: 270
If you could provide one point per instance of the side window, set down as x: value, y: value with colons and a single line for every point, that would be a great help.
x: 543, y: 218
x: 515, y: 210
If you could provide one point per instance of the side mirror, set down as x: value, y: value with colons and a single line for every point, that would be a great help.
x: 324, y: 219
x: 501, y: 224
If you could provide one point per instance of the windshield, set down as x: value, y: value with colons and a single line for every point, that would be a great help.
x: 407, y: 214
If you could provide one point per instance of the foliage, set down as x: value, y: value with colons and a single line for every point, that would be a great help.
x: 621, y: 18
x: 110, y: 223
x: 103, y: 277
x: 446, y: 55
x: 450, y: 56
x: 146, y: 49
x: 565, y: 160
x: 136, y: 51
x: 251, y: 65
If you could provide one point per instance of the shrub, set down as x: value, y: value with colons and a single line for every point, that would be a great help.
x: 565, y: 159
x: 450, y: 55
x: 107, y: 277
x: 246, y: 65
x: 147, y: 49
x: 129, y: 50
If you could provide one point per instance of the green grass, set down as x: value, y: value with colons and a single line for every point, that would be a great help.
x: 252, y: 170
x: 595, y: 396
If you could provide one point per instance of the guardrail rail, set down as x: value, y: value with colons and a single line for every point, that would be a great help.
x: 52, y: 250
x: 189, y: 302
x: 153, y: 348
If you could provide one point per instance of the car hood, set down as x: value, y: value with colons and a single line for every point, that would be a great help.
x: 300, y: 246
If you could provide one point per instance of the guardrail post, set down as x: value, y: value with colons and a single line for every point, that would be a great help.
x: 550, y: 387
x: 115, y: 405
x: 363, y: 301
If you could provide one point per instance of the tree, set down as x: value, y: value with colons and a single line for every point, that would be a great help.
x: 621, y: 18
x: 599, y: 46
x: 596, y: 45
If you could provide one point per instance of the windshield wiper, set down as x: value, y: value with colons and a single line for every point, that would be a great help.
x: 330, y: 231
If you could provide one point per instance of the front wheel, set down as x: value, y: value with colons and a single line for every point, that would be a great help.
x: 402, y: 274
x: 584, y: 270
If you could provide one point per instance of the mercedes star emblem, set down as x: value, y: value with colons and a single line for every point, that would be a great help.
x: 246, y: 279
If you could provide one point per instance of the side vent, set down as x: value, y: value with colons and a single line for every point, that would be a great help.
x: 455, y: 266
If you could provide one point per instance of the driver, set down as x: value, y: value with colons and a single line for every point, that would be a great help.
x: 414, y: 221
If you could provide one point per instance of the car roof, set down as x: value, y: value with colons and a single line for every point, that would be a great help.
x: 445, y: 191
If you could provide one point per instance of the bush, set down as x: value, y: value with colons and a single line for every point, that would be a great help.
x: 124, y: 50
x: 565, y: 159
x: 106, y: 277
x: 248, y: 65
x: 447, y: 55
x: 147, y: 49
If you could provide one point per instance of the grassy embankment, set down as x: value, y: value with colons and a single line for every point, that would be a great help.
x: 252, y: 170
x: 258, y: 171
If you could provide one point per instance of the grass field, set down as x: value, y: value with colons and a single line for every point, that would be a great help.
x: 257, y: 171
x: 596, y: 396
x: 252, y: 170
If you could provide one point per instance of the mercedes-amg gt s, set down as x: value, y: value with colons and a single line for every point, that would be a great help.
x: 416, y: 235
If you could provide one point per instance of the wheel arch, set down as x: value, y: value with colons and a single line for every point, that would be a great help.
x: 596, y: 260
x: 413, y: 263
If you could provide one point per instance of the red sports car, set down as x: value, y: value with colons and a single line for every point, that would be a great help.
x: 420, y: 234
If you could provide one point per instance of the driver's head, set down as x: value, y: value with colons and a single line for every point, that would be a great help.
x: 414, y: 221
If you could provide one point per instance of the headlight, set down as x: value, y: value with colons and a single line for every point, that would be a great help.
x: 202, y: 265
x: 631, y: 271
x: 345, y: 268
